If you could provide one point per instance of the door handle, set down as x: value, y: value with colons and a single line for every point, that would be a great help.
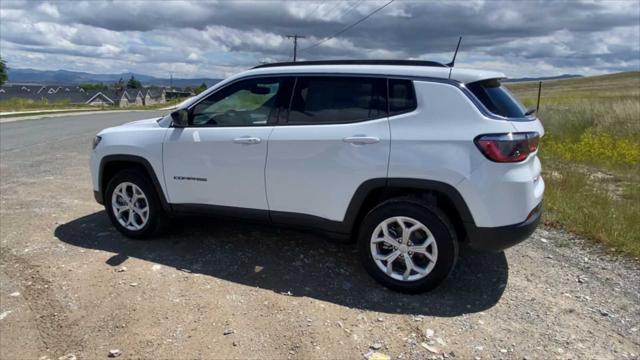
x: 361, y: 139
x: 247, y: 140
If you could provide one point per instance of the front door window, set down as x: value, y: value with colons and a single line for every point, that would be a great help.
x: 244, y: 103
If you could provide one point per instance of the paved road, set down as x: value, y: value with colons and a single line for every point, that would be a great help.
x: 70, y: 284
x: 25, y: 133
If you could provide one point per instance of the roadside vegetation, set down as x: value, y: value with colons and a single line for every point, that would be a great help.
x: 3, y: 72
x: 591, y: 156
x: 20, y: 104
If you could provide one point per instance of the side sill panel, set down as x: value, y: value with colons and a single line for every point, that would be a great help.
x: 291, y: 220
x: 221, y: 211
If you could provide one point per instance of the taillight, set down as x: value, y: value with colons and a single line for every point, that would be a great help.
x: 511, y: 147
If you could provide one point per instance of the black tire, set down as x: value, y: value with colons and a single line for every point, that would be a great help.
x: 436, y: 222
x: 157, y: 217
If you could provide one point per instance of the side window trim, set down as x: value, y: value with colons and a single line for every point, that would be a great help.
x: 388, y: 99
x: 281, y: 118
x: 282, y: 98
x: 286, y: 122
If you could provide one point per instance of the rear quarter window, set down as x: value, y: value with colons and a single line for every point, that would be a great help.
x: 402, y: 97
x: 497, y: 99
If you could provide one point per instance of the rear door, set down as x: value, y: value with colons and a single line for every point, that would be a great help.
x: 219, y: 158
x: 336, y: 136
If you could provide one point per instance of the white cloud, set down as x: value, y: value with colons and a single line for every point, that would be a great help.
x: 48, y: 9
x: 214, y: 39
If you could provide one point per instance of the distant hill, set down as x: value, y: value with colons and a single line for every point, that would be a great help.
x: 544, y: 78
x: 31, y: 76
x: 609, y: 90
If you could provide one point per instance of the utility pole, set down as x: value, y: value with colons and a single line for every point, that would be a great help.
x: 295, y: 44
x: 170, y: 81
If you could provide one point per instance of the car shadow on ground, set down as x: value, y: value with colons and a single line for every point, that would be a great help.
x: 292, y: 262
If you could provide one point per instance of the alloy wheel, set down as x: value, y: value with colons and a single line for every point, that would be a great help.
x: 130, y: 206
x: 404, y: 248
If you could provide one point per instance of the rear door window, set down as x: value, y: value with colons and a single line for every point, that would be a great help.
x: 497, y: 99
x: 331, y: 100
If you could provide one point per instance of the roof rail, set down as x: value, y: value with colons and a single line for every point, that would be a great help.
x: 354, y: 62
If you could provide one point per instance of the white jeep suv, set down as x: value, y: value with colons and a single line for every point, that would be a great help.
x: 412, y: 158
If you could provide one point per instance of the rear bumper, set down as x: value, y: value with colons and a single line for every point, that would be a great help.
x: 502, y: 237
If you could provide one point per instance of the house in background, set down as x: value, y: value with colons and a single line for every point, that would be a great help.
x: 62, y: 96
x: 38, y: 93
x: 100, y: 99
x: 176, y: 94
x: 75, y: 95
x: 119, y: 97
x: 135, y: 97
x: 11, y: 92
x: 155, y: 96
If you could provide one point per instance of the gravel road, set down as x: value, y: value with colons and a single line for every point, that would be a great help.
x: 71, y: 285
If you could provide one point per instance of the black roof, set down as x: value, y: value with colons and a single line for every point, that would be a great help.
x: 114, y: 95
x: 74, y: 97
x: 16, y: 91
x: 355, y: 62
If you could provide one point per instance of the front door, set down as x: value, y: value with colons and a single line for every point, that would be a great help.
x: 219, y: 159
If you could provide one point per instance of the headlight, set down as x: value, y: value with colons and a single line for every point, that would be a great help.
x: 96, y: 141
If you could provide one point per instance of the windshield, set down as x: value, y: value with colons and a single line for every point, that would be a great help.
x: 497, y: 99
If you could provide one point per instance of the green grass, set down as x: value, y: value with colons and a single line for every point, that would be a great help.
x: 603, y: 208
x: 591, y: 156
x: 18, y: 104
x: 158, y: 106
x: 44, y: 112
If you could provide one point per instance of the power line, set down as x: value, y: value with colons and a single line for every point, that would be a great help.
x: 350, y: 9
x: 313, y: 12
x: 295, y: 44
x: 337, y: 5
x: 348, y: 27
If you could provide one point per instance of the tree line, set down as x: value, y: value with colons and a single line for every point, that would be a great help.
x: 3, y: 72
x: 120, y: 85
x: 133, y: 83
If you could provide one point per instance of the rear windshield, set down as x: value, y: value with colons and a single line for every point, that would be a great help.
x: 497, y: 99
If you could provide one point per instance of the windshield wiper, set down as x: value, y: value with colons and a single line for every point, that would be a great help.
x: 530, y: 112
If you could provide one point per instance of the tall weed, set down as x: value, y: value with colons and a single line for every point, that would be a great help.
x: 591, y: 156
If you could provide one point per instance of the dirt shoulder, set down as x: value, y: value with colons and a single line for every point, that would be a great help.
x: 70, y: 284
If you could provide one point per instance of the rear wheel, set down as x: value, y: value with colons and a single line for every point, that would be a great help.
x: 133, y: 205
x: 408, y: 245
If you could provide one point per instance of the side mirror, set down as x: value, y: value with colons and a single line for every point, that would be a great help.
x: 180, y: 118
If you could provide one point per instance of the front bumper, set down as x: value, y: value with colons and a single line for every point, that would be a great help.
x: 98, y: 196
x: 502, y: 237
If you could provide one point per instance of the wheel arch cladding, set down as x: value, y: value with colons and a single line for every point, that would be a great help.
x: 375, y: 191
x: 112, y: 164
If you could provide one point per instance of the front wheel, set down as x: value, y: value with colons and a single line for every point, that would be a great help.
x: 408, y: 245
x: 133, y: 205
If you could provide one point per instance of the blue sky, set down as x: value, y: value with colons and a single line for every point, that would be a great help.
x: 219, y: 38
